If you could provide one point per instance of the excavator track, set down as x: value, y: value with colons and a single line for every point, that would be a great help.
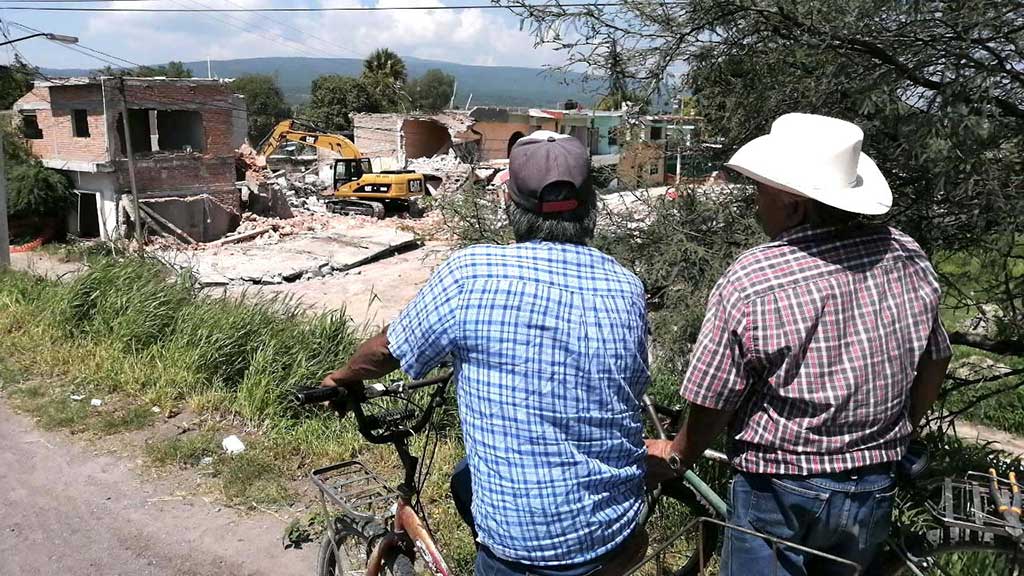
x: 356, y: 207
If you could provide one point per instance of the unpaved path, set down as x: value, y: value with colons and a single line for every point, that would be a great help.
x: 1013, y: 445
x: 65, y: 510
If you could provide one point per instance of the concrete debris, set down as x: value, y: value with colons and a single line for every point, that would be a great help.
x: 248, y: 160
x: 453, y: 172
x: 305, y: 247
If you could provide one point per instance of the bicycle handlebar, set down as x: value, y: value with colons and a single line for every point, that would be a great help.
x: 371, y: 425
x: 318, y: 395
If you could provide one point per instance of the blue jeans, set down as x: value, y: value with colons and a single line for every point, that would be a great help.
x: 489, y: 564
x: 846, y: 515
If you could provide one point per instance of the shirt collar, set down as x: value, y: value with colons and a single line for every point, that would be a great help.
x: 801, y: 232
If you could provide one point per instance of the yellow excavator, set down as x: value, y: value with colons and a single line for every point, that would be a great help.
x: 357, y: 189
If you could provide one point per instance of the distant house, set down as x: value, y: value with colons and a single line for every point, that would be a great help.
x: 183, y: 133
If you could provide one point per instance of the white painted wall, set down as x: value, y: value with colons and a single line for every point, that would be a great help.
x: 105, y: 185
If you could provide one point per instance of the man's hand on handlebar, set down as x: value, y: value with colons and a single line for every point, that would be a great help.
x: 658, y: 468
x: 353, y: 387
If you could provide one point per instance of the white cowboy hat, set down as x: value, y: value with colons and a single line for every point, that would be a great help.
x: 817, y: 157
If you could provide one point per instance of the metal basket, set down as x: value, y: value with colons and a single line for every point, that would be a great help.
x: 355, y: 489
x: 968, y: 513
x: 654, y: 563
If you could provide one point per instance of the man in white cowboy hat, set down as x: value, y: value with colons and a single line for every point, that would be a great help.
x: 820, y: 350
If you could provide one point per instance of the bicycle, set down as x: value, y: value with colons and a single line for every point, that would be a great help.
x: 976, y: 526
x: 388, y: 528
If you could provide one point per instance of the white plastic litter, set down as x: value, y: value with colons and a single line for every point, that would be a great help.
x: 206, y: 461
x: 155, y: 409
x: 77, y: 397
x: 233, y: 445
x: 96, y: 402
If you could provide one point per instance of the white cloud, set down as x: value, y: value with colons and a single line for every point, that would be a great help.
x: 483, y: 37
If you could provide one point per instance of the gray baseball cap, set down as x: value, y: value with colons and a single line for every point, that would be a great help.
x: 544, y: 158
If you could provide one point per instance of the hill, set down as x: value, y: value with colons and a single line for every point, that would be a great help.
x: 492, y: 85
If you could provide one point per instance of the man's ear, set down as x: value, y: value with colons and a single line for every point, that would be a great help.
x: 797, y: 211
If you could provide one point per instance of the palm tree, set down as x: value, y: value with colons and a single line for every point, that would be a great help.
x: 385, y: 64
x: 384, y: 73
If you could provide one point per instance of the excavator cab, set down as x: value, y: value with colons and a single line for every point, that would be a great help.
x: 350, y: 170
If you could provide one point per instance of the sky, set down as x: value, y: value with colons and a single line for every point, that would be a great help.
x: 472, y: 36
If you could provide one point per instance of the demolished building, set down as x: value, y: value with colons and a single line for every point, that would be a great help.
x: 183, y: 133
x: 443, y: 147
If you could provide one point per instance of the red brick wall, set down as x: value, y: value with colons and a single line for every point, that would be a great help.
x: 213, y: 101
x: 58, y: 142
x: 183, y: 173
x: 211, y: 171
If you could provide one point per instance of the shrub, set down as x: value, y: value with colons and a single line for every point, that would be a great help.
x: 37, y: 191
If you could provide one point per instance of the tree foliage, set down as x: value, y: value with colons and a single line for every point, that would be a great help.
x: 334, y: 98
x: 37, y: 191
x: 15, y: 81
x: 937, y: 86
x: 384, y: 75
x: 173, y: 69
x: 264, y: 101
x: 431, y: 92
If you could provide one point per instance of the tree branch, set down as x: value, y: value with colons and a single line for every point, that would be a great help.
x: 1009, y: 347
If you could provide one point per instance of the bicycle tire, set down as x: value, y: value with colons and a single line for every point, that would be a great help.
x: 1004, y: 558
x: 327, y: 563
x: 710, y: 534
x: 399, y: 565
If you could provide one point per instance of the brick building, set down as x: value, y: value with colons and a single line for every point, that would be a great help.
x: 183, y: 133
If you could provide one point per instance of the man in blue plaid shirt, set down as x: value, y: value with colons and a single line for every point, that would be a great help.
x: 549, y: 338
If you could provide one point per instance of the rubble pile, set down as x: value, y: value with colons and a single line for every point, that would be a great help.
x: 248, y: 160
x: 300, y: 190
x: 277, y: 228
x: 453, y: 172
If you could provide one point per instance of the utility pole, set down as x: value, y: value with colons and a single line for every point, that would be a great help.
x: 209, y: 68
x: 5, y: 244
x: 131, y: 166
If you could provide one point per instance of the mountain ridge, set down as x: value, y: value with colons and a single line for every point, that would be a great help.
x: 488, y: 85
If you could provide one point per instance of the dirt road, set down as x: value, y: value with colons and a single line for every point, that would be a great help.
x: 64, y: 510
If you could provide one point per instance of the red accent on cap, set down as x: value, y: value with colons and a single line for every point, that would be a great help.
x: 559, y: 206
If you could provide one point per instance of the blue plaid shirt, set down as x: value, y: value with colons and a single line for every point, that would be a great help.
x: 550, y: 345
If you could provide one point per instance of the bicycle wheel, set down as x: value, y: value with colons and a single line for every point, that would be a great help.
x: 341, y: 557
x: 696, y: 547
x: 1002, y: 557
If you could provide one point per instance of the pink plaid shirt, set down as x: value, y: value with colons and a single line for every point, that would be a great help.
x: 814, y: 341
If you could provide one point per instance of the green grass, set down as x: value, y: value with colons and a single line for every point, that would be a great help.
x: 136, y: 336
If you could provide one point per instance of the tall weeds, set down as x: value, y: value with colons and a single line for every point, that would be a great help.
x: 153, y: 335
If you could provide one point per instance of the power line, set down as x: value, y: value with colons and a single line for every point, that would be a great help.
x: 289, y: 26
x: 336, y: 8
x: 276, y: 38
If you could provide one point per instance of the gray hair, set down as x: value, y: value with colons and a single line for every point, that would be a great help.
x: 576, y: 227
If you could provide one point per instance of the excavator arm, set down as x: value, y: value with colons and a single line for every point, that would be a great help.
x: 290, y: 131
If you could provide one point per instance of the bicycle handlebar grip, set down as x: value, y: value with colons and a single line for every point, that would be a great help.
x: 318, y: 395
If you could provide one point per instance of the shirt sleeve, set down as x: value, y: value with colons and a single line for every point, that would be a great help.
x: 938, y: 346
x: 425, y: 332
x: 716, y: 377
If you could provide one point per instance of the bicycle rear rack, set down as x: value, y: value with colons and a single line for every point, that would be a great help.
x: 355, y: 489
x: 968, y: 513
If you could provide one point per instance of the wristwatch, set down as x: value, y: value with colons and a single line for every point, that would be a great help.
x: 675, y: 463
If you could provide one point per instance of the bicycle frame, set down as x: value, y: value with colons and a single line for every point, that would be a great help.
x: 407, y: 523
